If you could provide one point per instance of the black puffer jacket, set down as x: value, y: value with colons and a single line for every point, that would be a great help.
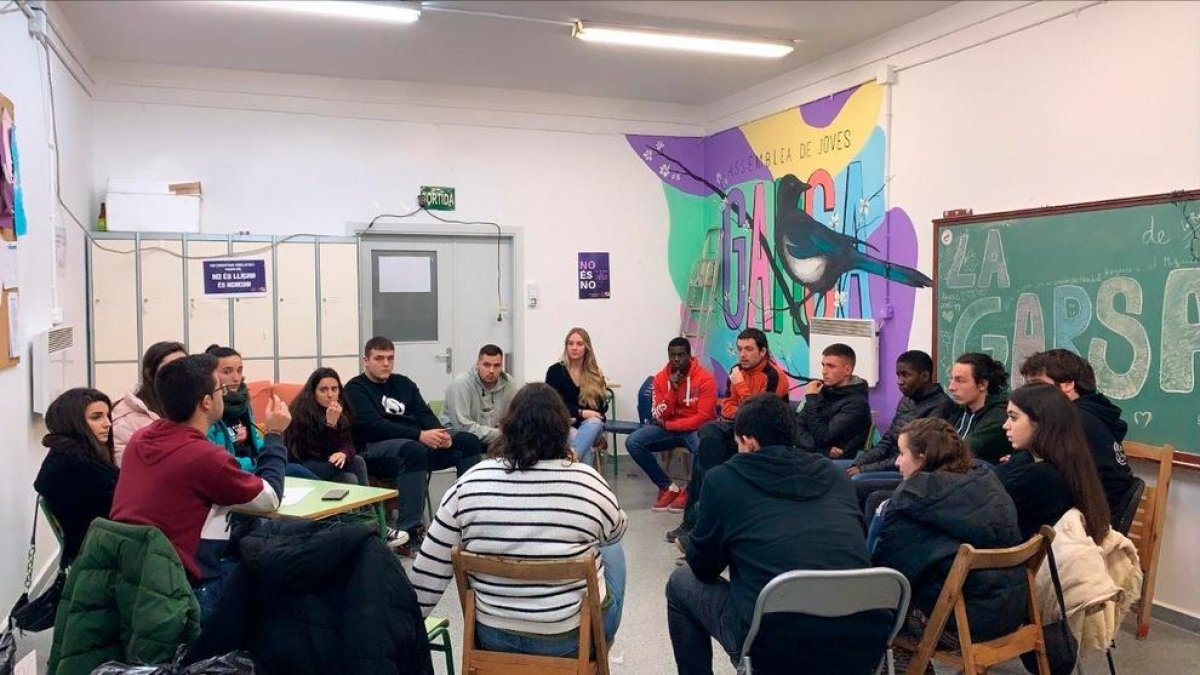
x: 838, y: 417
x: 931, y: 403
x: 1105, y: 431
x: 320, y: 599
x: 928, y: 517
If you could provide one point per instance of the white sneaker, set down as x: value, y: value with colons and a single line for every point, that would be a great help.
x: 396, y: 538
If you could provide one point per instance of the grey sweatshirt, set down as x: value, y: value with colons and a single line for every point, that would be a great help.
x: 476, y: 410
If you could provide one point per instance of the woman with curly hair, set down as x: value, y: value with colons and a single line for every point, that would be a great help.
x: 577, y: 378
x: 531, y: 499
x: 78, y: 476
x: 319, y: 437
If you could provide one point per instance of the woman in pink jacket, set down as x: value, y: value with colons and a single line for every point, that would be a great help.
x: 140, y: 406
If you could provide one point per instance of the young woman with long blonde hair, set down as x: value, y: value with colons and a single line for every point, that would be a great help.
x: 579, y: 381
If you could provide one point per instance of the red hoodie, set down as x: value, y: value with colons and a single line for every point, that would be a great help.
x: 171, y: 477
x: 689, y: 406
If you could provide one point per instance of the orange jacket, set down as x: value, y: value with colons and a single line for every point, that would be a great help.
x: 766, y: 376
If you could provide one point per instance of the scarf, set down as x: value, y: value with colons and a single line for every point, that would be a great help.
x: 237, y: 405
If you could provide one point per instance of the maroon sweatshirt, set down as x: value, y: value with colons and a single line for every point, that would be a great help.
x: 171, y: 477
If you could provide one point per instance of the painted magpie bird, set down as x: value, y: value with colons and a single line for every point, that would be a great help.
x: 815, y: 256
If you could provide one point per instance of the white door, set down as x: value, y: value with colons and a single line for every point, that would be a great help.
x: 410, y: 286
x: 437, y: 299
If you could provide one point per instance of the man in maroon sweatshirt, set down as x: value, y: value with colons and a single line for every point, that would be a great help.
x: 685, y: 398
x: 175, y: 479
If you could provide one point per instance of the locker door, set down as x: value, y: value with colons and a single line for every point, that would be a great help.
x: 339, y: 301
x: 296, y: 371
x: 254, y: 318
x: 115, y: 379
x: 296, y: 293
x: 114, y: 301
x: 162, y: 292
x: 208, y: 318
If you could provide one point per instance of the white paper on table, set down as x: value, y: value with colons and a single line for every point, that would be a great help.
x: 405, y: 274
x: 8, y: 265
x: 14, y: 324
x: 293, y: 495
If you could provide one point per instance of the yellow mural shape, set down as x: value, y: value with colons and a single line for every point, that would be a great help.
x: 785, y: 143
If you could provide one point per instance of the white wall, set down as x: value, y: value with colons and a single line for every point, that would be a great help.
x: 1004, y: 106
x: 22, y: 80
x: 275, y: 162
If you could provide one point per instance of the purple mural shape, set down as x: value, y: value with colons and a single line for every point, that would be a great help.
x: 821, y: 113
x: 737, y: 163
x: 894, y: 333
x: 593, y: 276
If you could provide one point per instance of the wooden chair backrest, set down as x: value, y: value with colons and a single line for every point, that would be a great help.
x: 1146, y: 531
x: 591, y: 621
x: 1028, y: 555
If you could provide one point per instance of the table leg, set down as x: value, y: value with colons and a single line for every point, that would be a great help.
x: 381, y: 519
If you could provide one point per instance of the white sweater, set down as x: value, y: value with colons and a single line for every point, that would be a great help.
x: 556, y: 509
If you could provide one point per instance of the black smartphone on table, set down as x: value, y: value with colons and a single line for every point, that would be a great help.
x: 335, y: 495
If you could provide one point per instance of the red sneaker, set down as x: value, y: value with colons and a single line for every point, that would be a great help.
x: 679, y: 503
x: 665, y: 497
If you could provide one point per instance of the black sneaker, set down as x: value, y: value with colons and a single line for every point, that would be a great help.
x: 416, y: 537
x: 683, y: 528
x: 681, y: 542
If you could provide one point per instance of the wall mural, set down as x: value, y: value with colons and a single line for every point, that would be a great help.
x: 793, y: 205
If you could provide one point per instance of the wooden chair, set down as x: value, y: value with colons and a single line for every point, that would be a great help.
x: 477, y: 661
x: 978, y: 657
x: 1147, y: 529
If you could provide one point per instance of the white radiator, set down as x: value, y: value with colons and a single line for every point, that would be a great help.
x: 50, y: 365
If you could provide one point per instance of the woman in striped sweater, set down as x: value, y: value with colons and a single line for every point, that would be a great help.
x: 530, y: 500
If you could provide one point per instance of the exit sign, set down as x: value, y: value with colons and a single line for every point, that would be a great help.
x: 436, y: 198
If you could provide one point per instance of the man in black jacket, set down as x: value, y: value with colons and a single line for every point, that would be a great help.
x: 318, y: 598
x: 400, y: 438
x: 836, y: 416
x: 1102, y: 423
x: 768, y: 510
x: 922, y: 397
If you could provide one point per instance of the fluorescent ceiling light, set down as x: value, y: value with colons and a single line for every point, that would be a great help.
x: 637, y: 37
x: 389, y: 12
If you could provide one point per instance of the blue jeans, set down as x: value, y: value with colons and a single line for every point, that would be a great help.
x: 209, y: 592
x: 496, y: 640
x: 843, y: 464
x: 650, y: 439
x: 878, y: 475
x: 583, y: 438
x: 698, y: 611
x: 296, y: 470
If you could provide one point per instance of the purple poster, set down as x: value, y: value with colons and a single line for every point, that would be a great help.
x: 593, y: 276
x: 235, y: 278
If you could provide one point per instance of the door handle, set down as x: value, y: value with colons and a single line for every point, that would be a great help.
x: 448, y: 357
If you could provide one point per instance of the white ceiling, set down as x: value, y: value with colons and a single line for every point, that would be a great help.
x: 467, y: 49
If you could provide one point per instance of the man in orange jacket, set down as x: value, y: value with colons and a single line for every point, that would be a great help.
x: 755, y: 373
x: 685, y: 398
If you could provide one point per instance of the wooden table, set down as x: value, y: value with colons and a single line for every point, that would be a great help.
x: 312, y: 507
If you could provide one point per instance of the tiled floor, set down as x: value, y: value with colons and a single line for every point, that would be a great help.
x: 642, y: 646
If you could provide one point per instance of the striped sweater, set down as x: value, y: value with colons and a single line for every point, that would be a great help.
x: 556, y: 509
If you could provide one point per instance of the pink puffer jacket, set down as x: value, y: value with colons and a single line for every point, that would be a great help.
x: 128, y: 415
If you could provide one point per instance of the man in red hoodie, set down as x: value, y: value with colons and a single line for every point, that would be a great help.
x: 685, y: 398
x: 172, y: 475
x: 755, y: 373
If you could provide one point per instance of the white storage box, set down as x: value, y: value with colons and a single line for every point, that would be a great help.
x: 139, y: 212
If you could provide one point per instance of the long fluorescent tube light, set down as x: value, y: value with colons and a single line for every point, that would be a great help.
x: 637, y: 37
x: 344, y: 9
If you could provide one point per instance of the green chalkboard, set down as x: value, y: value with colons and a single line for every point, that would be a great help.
x: 1117, y: 282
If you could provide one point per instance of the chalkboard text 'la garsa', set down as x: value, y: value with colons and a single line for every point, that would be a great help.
x: 1117, y: 306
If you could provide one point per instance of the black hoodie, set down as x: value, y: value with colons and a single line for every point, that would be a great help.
x: 1105, y: 431
x: 387, y: 410
x: 926, y: 520
x: 773, y: 511
x: 838, y: 417
x: 318, y: 598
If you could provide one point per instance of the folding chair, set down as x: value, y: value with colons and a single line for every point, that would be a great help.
x: 831, y: 593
